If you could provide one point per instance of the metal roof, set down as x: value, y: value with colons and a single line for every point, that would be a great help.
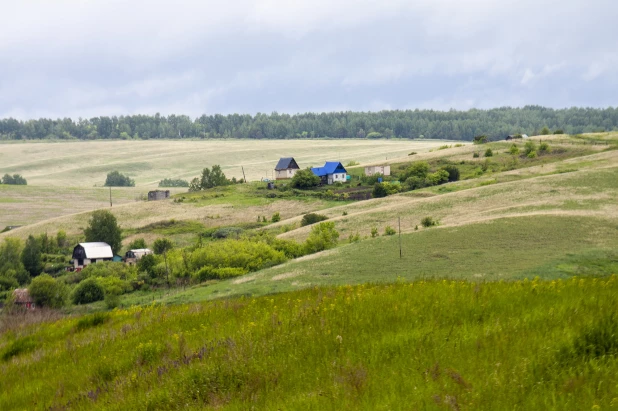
x: 285, y: 163
x: 330, y: 167
x: 97, y: 250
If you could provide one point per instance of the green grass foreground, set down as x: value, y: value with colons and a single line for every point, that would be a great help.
x: 425, y: 345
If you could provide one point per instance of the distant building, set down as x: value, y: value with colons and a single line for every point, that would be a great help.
x: 133, y: 256
x: 516, y: 136
x: 89, y: 253
x: 23, y: 298
x: 332, y: 172
x: 384, y: 170
x: 158, y: 195
x: 286, y: 168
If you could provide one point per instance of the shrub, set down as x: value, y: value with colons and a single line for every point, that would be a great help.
x: 304, y: 179
x: 388, y: 230
x: 475, y: 155
x: 90, y: 321
x: 453, y: 172
x: 352, y: 163
x: 48, y: 292
x: 344, y: 213
x: 354, y: 238
x: 14, y: 179
x: 245, y: 254
x: 379, y: 190
x: 137, y: 244
x: 226, y: 232
x: 428, y: 222
x: 489, y: 152
x: 437, y: 178
x: 276, y: 217
x: 374, y: 232
x: 110, y: 269
x: 147, y: 264
x: 514, y: 150
x: 169, y: 182
x: 322, y: 237
x: 531, y: 154
x: 117, y: 179
x: 312, y: 218
x: 210, y: 273
x: 544, y: 147
x: 20, y: 346
x: 529, y: 147
x: 417, y: 169
x: 559, y: 131
x: 482, y: 139
x: 88, y: 291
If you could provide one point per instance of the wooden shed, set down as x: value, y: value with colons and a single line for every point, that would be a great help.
x: 23, y: 298
x: 286, y: 168
x: 89, y: 253
x: 158, y: 195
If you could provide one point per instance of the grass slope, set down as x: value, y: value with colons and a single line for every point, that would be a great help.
x: 425, y: 345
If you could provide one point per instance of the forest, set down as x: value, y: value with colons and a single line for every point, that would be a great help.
x: 412, y: 124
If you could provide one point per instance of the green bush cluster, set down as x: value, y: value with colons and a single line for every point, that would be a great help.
x: 117, y: 179
x: 14, y: 179
x: 312, y: 218
x: 173, y: 182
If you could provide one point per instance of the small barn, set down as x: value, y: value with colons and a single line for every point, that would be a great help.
x: 332, y: 172
x: 133, y: 256
x: 384, y: 170
x: 286, y: 168
x: 158, y: 195
x: 90, y: 253
x: 23, y: 298
x: 516, y: 136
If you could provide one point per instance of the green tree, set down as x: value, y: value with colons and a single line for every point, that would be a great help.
x: 103, y: 227
x: 61, y: 239
x: 322, y: 237
x: 15, y: 179
x: 481, y: 139
x: 162, y: 246
x: 46, y: 291
x: 88, y: 291
x: 31, y: 256
x: 10, y: 255
x: 453, y: 172
x: 147, y: 264
x: 529, y: 148
x: 304, y: 179
x: 137, y: 244
x: 379, y: 190
x: 545, y: 131
x: 116, y: 179
x: 489, y: 152
x: 514, y: 150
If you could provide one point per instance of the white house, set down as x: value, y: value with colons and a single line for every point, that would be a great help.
x: 89, y: 253
x: 286, y: 168
x: 332, y: 172
x: 385, y: 170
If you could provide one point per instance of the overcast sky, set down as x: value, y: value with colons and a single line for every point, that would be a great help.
x: 69, y: 58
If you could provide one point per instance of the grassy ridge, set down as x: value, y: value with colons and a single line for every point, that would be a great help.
x: 423, y: 345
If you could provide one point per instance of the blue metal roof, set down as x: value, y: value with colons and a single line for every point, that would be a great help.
x: 331, y: 167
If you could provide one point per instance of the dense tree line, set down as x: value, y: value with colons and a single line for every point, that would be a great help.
x: 453, y: 124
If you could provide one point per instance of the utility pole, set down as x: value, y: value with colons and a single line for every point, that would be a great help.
x: 243, y: 173
x: 110, y: 196
x: 400, y: 255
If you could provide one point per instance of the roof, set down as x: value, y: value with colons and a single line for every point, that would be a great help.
x: 22, y: 296
x: 97, y: 250
x: 285, y: 163
x: 141, y: 250
x: 330, y: 167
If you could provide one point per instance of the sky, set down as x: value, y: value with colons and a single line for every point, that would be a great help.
x: 77, y: 58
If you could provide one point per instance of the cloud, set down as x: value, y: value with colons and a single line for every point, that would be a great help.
x: 72, y: 58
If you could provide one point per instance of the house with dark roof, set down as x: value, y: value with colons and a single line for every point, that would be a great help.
x: 286, y: 168
x: 88, y: 253
x: 23, y: 298
x: 332, y: 172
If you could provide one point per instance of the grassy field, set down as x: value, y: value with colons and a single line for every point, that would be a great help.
x: 85, y: 164
x: 524, y: 345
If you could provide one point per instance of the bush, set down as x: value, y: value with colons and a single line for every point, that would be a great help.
x: 428, y: 222
x: 531, y: 154
x: 111, y: 269
x: 226, y: 232
x: 169, y: 182
x: 529, y: 147
x: 137, y: 244
x: 322, y: 237
x: 312, y: 218
x: 559, y: 131
x: 210, y: 273
x: 304, y: 179
x: 245, y: 254
x: 475, y: 155
x: 117, y: 179
x: 15, y: 179
x: 379, y: 190
x: 437, y: 178
x: 20, y: 346
x: 489, y: 153
x: 544, y: 147
x: 453, y: 172
x: 276, y: 217
x: 147, y: 265
x: 90, y: 321
x: 374, y: 232
x: 48, y: 292
x: 514, y: 150
x: 88, y: 291
x: 482, y: 139
x: 388, y: 230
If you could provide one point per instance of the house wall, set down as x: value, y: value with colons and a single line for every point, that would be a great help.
x: 336, y: 177
x: 384, y: 170
x: 287, y: 173
x: 158, y: 195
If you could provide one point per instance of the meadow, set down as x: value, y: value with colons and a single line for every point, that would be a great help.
x: 457, y: 345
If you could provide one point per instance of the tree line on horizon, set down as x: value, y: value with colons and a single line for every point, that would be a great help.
x: 412, y: 124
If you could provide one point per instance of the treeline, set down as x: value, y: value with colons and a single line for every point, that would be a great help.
x: 458, y: 125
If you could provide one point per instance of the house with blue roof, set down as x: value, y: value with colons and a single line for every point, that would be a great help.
x: 332, y: 172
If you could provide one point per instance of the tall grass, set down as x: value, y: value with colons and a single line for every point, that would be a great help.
x: 423, y: 345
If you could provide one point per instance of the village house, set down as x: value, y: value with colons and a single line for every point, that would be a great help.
x: 158, y: 195
x: 384, y: 170
x: 515, y: 136
x: 332, y: 172
x: 23, y: 298
x: 133, y: 256
x: 90, y: 253
x: 286, y: 168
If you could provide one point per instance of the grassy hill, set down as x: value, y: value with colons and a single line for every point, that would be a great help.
x: 425, y: 345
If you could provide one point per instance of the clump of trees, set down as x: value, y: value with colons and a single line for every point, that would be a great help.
x: 312, y: 218
x: 14, y: 179
x: 211, y: 178
x: 173, y: 182
x: 104, y: 227
x: 304, y: 179
x: 117, y: 179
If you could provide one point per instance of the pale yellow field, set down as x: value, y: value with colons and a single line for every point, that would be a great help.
x: 86, y: 164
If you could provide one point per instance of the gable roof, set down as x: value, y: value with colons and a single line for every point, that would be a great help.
x: 22, y: 296
x: 97, y: 250
x: 330, y: 167
x: 285, y: 163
